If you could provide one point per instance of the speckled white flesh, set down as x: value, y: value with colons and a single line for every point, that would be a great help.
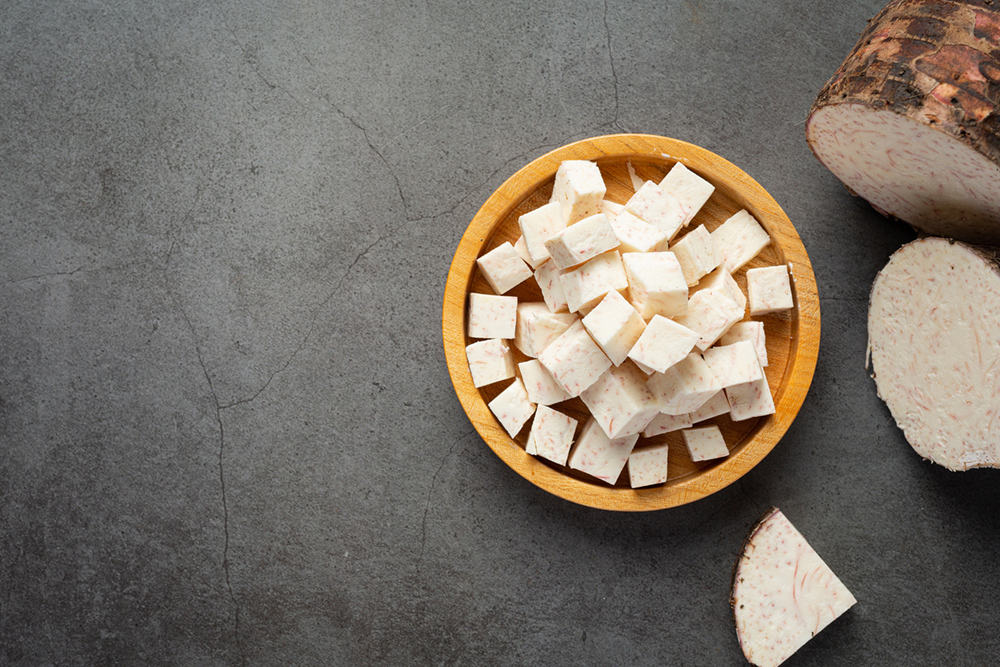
x: 934, y: 340
x: 688, y: 187
x: 909, y: 169
x: 783, y: 592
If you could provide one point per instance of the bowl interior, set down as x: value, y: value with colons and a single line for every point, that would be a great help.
x: 792, y: 336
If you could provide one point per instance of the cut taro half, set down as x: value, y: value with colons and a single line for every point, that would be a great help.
x: 909, y: 120
x: 934, y: 342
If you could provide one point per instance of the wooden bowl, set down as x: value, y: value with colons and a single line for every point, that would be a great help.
x: 792, y: 336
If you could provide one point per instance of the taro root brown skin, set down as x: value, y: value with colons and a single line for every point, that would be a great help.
x: 909, y: 121
x: 934, y: 343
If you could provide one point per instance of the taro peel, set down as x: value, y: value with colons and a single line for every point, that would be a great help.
x: 909, y: 120
x: 783, y: 593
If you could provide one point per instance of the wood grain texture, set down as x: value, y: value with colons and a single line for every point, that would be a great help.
x: 792, y: 336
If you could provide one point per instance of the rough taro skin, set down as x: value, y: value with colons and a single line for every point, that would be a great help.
x: 909, y: 120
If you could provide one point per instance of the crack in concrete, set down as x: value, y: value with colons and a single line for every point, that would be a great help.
x: 430, y: 490
x: 237, y: 607
x: 251, y: 60
x: 377, y: 150
x: 502, y: 167
x: 43, y: 276
x: 374, y: 149
x: 434, y: 115
x: 310, y: 328
x: 408, y: 218
x: 743, y: 490
x: 614, y: 72
x: 220, y: 407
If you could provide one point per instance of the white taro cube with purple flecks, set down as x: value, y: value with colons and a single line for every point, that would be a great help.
x: 512, y: 407
x: 581, y: 241
x: 522, y: 250
x: 739, y: 239
x: 697, y: 254
x: 660, y: 209
x: 663, y: 344
x: 620, y: 401
x: 551, y: 435
x: 539, y: 226
x: 550, y: 283
x: 615, y: 325
x: 734, y: 364
x: 720, y: 280
x: 579, y: 188
x: 705, y: 443
x: 574, y: 360
x: 489, y: 361
x: 598, y: 455
x: 751, y: 331
x: 636, y: 235
x: 690, y: 189
x: 769, y: 290
x: 648, y: 465
x: 503, y: 268
x: 656, y: 284
x: 749, y: 400
x: 664, y: 423
x: 611, y: 209
x: 711, y: 314
x: 685, y: 386
x: 716, y: 406
x: 537, y: 326
x: 492, y: 316
x: 585, y: 285
x: 542, y: 388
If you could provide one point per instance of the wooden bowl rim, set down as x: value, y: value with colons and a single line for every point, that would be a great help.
x: 791, y: 391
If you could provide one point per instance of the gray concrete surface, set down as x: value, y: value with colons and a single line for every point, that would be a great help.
x: 227, y: 432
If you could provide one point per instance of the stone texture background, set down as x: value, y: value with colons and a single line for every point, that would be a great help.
x: 227, y: 432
